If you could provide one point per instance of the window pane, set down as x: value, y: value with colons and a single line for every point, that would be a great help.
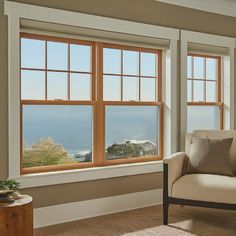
x: 32, y: 85
x: 131, y: 131
x: 189, y: 65
x: 130, y: 63
x: 111, y: 88
x: 148, y: 89
x: 32, y: 53
x: 80, y: 86
x: 111, y: 61
x: 198, y: 67
x: 46, y: 143
x: 198, y: 91
x: 203, y: 117
x: 57, y: 85
x: 189, y: 90
x: 211, y: 68
x: 211, y: 91
x: 57, y: 56
x: 80, y: 58
x: 130, y: 88
x: 148, y: 64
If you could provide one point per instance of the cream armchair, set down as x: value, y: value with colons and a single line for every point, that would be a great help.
x: 203, y: 190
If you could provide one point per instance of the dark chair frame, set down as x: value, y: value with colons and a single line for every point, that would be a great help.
x: 178, y: 201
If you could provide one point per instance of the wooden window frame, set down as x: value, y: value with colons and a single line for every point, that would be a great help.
x: 218, y: 81
x: 97, y: 103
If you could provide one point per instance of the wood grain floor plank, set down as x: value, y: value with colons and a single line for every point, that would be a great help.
x: 184, y: 221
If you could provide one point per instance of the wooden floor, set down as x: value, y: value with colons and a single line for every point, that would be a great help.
x: 148, y: 221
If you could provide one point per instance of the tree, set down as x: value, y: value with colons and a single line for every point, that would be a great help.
x: 45, y: 153
x: 126, y: 149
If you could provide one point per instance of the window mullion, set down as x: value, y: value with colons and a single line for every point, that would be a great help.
x: 68, y: 84
x: 99, y: 110
x: 159, y: 77
x: 204, y: 86
x: 139, y: 76
x: 219, y: 86
x: 94, y: 74
x: 122, y: 82
x: 46, y: 67
x: 192, y: 82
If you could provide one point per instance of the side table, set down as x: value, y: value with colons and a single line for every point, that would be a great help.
x: 16, y: 219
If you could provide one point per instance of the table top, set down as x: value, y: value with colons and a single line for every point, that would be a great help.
x: 23, y: 200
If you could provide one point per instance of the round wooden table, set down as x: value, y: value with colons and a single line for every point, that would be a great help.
x: 16, y: 219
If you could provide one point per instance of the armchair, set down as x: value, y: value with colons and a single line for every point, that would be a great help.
x: 202, y: 190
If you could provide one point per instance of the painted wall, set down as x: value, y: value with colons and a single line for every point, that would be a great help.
x: 146, y: 11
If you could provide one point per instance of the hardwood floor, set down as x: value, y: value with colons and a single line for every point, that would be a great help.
x: 148, y: 221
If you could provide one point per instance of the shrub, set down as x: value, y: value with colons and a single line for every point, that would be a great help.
x: 45, y: 153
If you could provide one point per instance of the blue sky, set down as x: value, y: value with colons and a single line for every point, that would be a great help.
x: 33, y: 82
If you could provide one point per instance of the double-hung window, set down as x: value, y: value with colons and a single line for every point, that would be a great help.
x: 57, y: 103
x: 86, y: 104
x: 131, y: 103
x: 205, y: 107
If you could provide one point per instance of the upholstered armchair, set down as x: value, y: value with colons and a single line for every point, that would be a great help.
x: 202, y: 190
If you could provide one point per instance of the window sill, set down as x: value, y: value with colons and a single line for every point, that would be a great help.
x: 95, y: 173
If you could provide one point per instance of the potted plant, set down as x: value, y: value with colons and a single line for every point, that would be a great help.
x: 12, y: 185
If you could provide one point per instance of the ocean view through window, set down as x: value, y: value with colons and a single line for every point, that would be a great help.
x: 86, y: 104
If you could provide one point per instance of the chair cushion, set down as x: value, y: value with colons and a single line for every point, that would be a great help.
x: 218, y: 134
x: 206, y: 187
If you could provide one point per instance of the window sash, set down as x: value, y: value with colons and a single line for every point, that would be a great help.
x: 204, y: 79
x: 68, y: 41
x: 218, y: 82
x: 157, y: 77
x: 210, y: 104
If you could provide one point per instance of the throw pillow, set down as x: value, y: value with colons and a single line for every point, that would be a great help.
x: 209, y: 156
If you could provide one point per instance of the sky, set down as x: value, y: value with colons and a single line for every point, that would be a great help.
x: 33, y: 82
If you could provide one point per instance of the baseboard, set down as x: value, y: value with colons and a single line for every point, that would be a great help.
x: 86, y: 209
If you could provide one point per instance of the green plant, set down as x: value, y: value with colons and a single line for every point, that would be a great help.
x: 126, y: 149
x: 10, y: 184
x: 45, y: 153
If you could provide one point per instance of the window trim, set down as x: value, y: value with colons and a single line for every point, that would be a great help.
x: 227, y: 43
x: 87, y: 174
x: 17, y: 11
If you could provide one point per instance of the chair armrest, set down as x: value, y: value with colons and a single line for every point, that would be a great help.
x: 175, y: 163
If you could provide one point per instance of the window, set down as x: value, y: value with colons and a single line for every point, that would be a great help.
x: 205, y: 107
x: 132, y: 102
x: 86, y: 104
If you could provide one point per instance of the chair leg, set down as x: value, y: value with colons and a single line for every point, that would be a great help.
x: 165, y: 194
x: 165, y: 211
